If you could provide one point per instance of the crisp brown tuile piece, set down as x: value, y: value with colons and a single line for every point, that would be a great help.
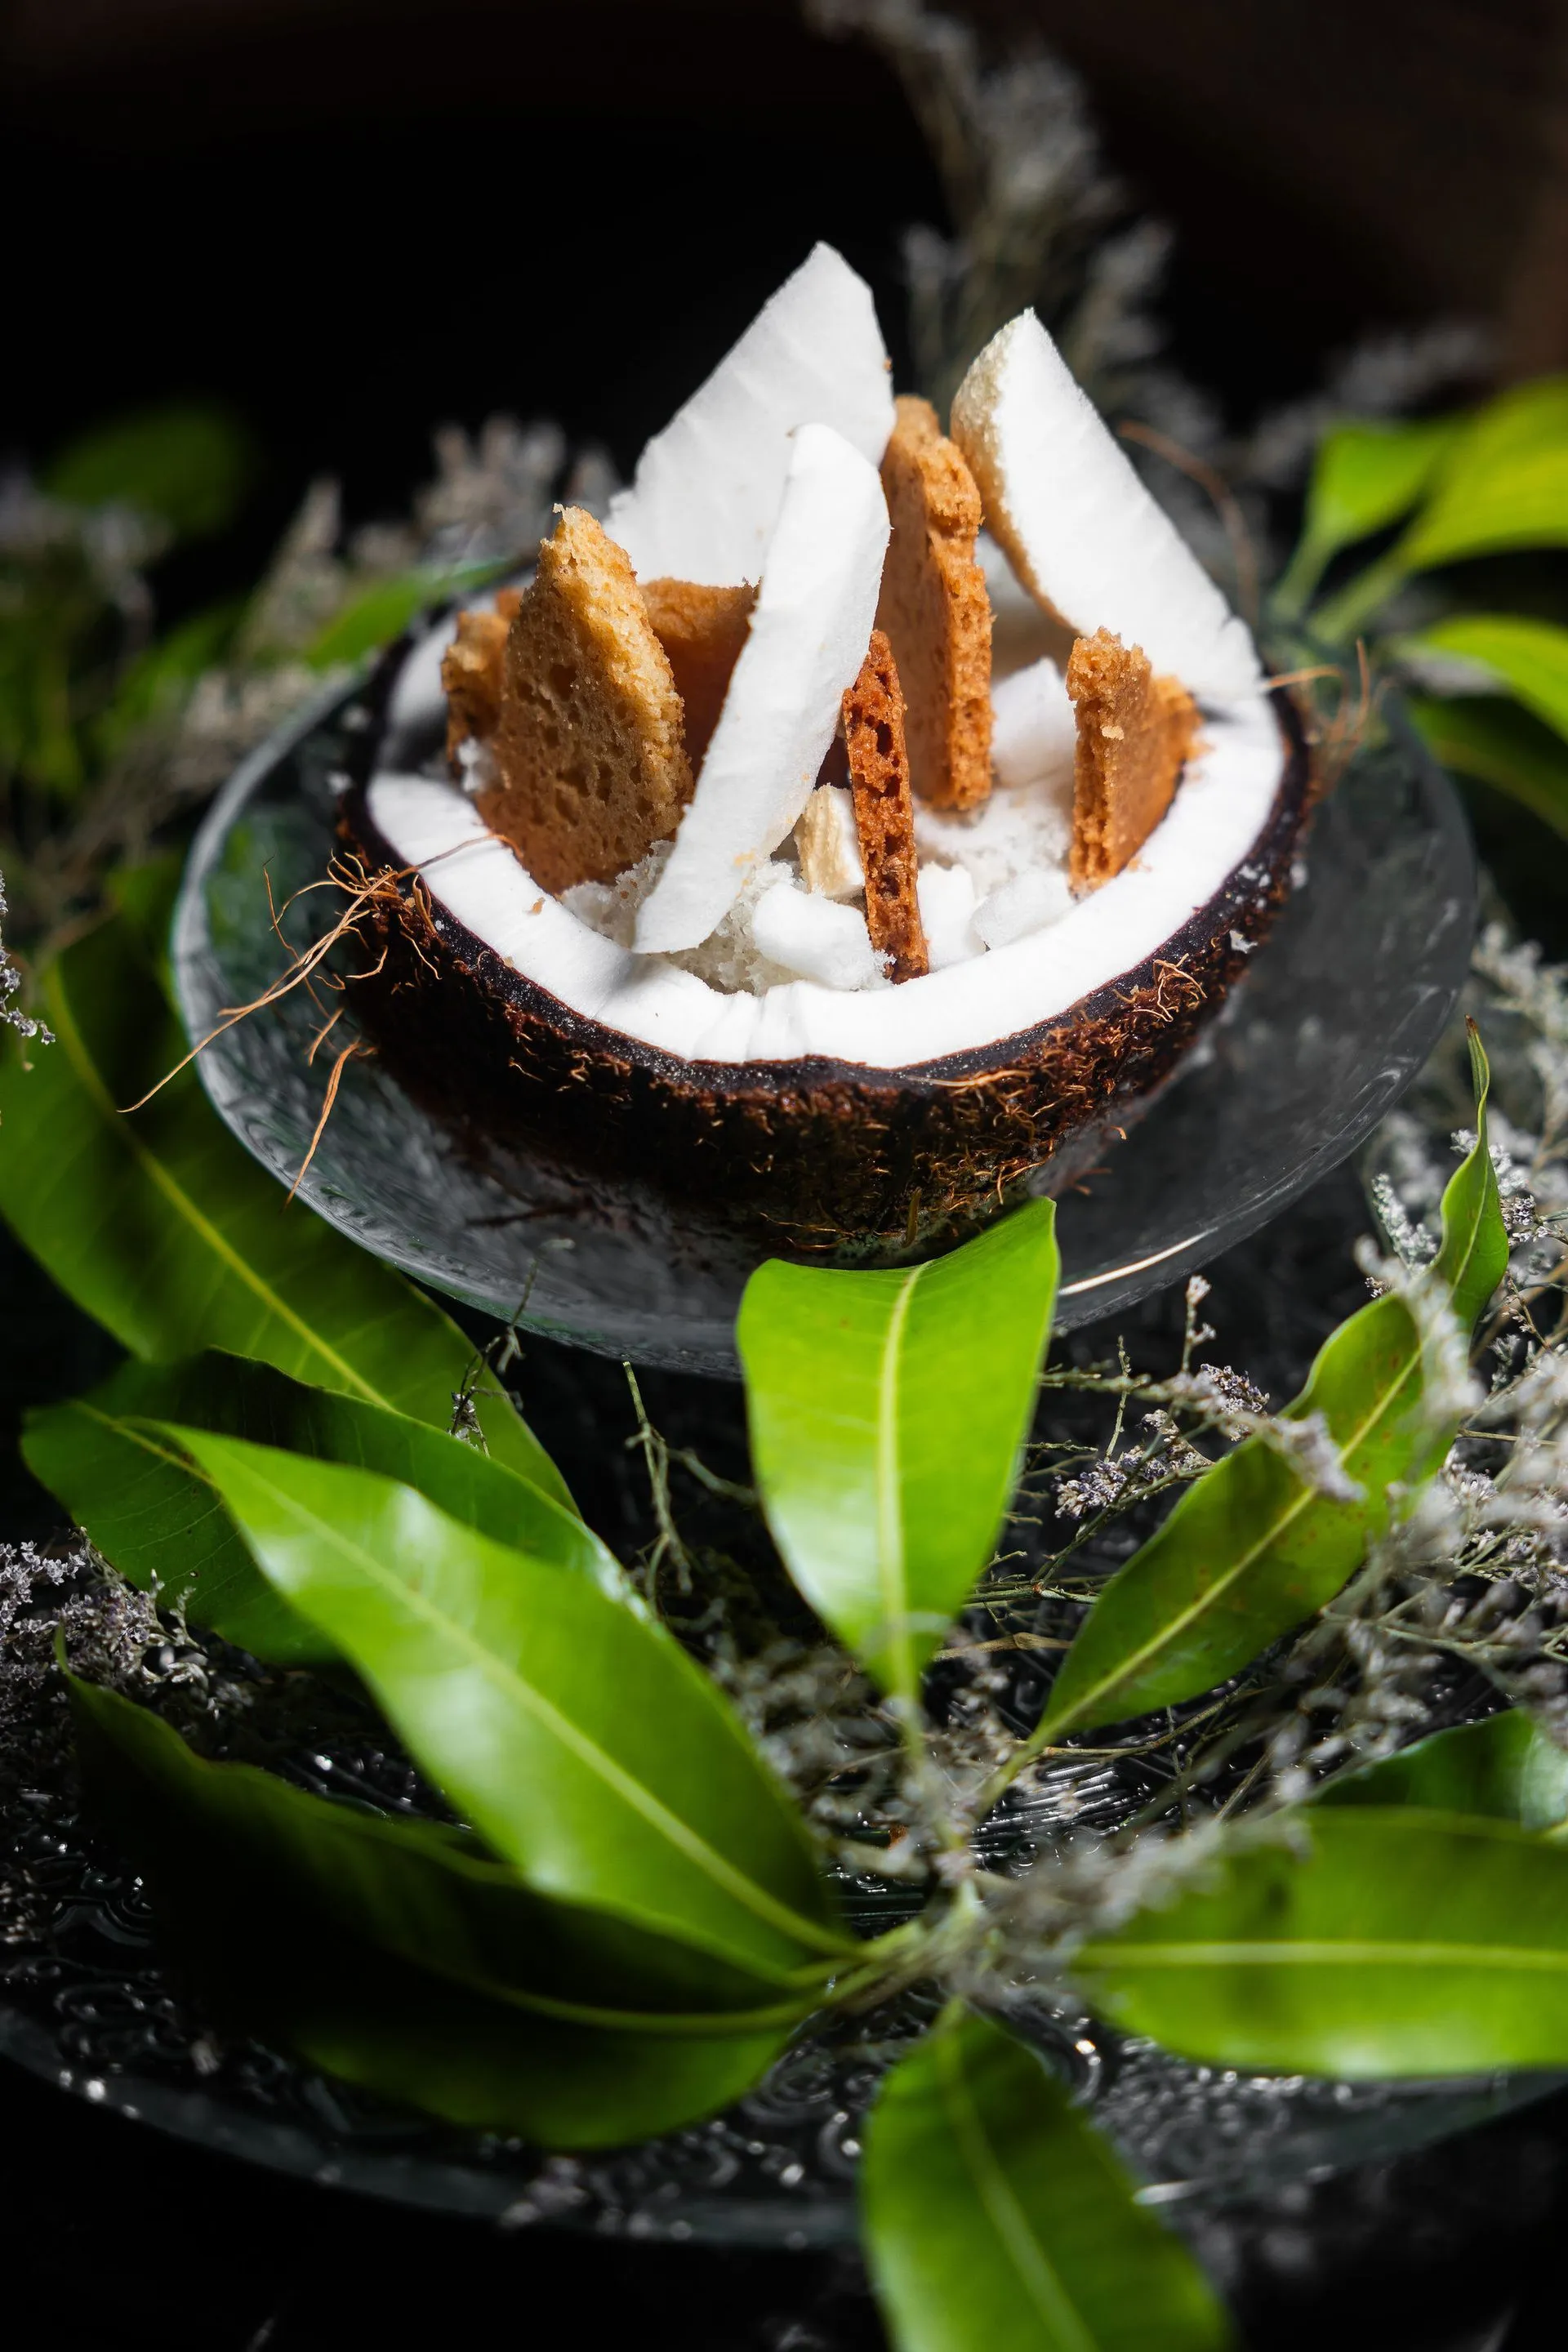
x: 702, y: 630
x: 590, y: 744
x: 935, y: 610
x: 1134, y: 733
x: 471, y: 675
x: 884, y: 811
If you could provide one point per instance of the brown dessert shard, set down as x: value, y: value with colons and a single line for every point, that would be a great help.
x: 884, y: 811
x: 591, y: 761
x: 471, y: 675
x: 702, y: 630
x: 935, y: 610
x: 1134, y: 733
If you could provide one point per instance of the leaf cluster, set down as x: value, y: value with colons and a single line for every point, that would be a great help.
x: 624, y: 1915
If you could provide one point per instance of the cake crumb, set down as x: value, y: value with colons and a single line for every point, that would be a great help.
x: 1135, y: 732
x: 934, y: 609
x: 884, y: 811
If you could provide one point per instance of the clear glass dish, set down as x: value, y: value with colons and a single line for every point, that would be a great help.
x: 1340, y: 1009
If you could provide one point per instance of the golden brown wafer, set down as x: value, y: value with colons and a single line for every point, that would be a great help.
x: 935, y: 610
x: 884, y: 811
x: 592, y: 765
x: 1134, y: 733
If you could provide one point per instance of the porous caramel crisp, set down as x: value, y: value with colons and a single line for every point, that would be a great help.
x: 702, y: 630
x: 884, y: 811
x: 935, y: 610
x: 590, y: 746
x: 1134, y: 733
x: 471, y: 675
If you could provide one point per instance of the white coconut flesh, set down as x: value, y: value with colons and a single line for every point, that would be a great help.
x: 705, y: 497
x: 714, y: 949
x: 1080, y: 527
x: 807, y: 642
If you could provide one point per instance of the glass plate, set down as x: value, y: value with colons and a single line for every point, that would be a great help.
x: 1341, y: 1007
x: 86, y: 2004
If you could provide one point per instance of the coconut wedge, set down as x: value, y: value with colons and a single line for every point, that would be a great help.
x: 705, y: 497
x: 808, y: 639
x: 1080, y: 528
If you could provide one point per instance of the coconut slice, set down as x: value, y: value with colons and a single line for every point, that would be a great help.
x: 807, y: 638
x: 706, y: 494
x: 827, y: 843
x: 814, y: 938
x: 1033, y: 731
x: 1079, y: 526
x: 947, y: 902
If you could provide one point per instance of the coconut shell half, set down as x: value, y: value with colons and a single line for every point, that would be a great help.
x: 815, y: 1154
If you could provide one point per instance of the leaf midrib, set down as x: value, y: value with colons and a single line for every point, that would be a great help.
x: 686, y: 1842
x: 118, y: 1125
x: 892, y: 1566
x: 1040, y: 2279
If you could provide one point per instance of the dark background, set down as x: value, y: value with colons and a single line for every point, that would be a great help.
x: 352, y: 219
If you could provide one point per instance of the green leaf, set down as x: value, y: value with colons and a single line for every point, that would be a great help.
x: 1501, y: 744
x: 1250, y: 1549
x: 1368, y: 1942
x: 1529, y: 658
x: 569, y: 1727
x: 394, y: 1953
x: 1503, y: 1767
x: 887, y: 1413
x: 158, y: 1519
x: 163, y: 1227
x: 1473, y: 1257
x: 190, y: 464
x: 1365, y: 476
x: 382, y: 612
x: 996, y: 2215
x: 1505, y: 484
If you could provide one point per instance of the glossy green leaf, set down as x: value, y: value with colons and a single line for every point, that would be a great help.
x: 1504, y: 1768
x: 1500, y: 744
x: 157, y: 1517
x: 1251, y: 1548
x: 190, y: 464
x: 568, y: 1726
x: 1505, y: 484
x: 1366, y: 476
x: 1473, y: 1257
x: 995, y: 2215
x: 163, y: 1227
x: 1363, y: 1942
x: 394, y: 1953
x: 887, y: 1415
x: 1527, y: 658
